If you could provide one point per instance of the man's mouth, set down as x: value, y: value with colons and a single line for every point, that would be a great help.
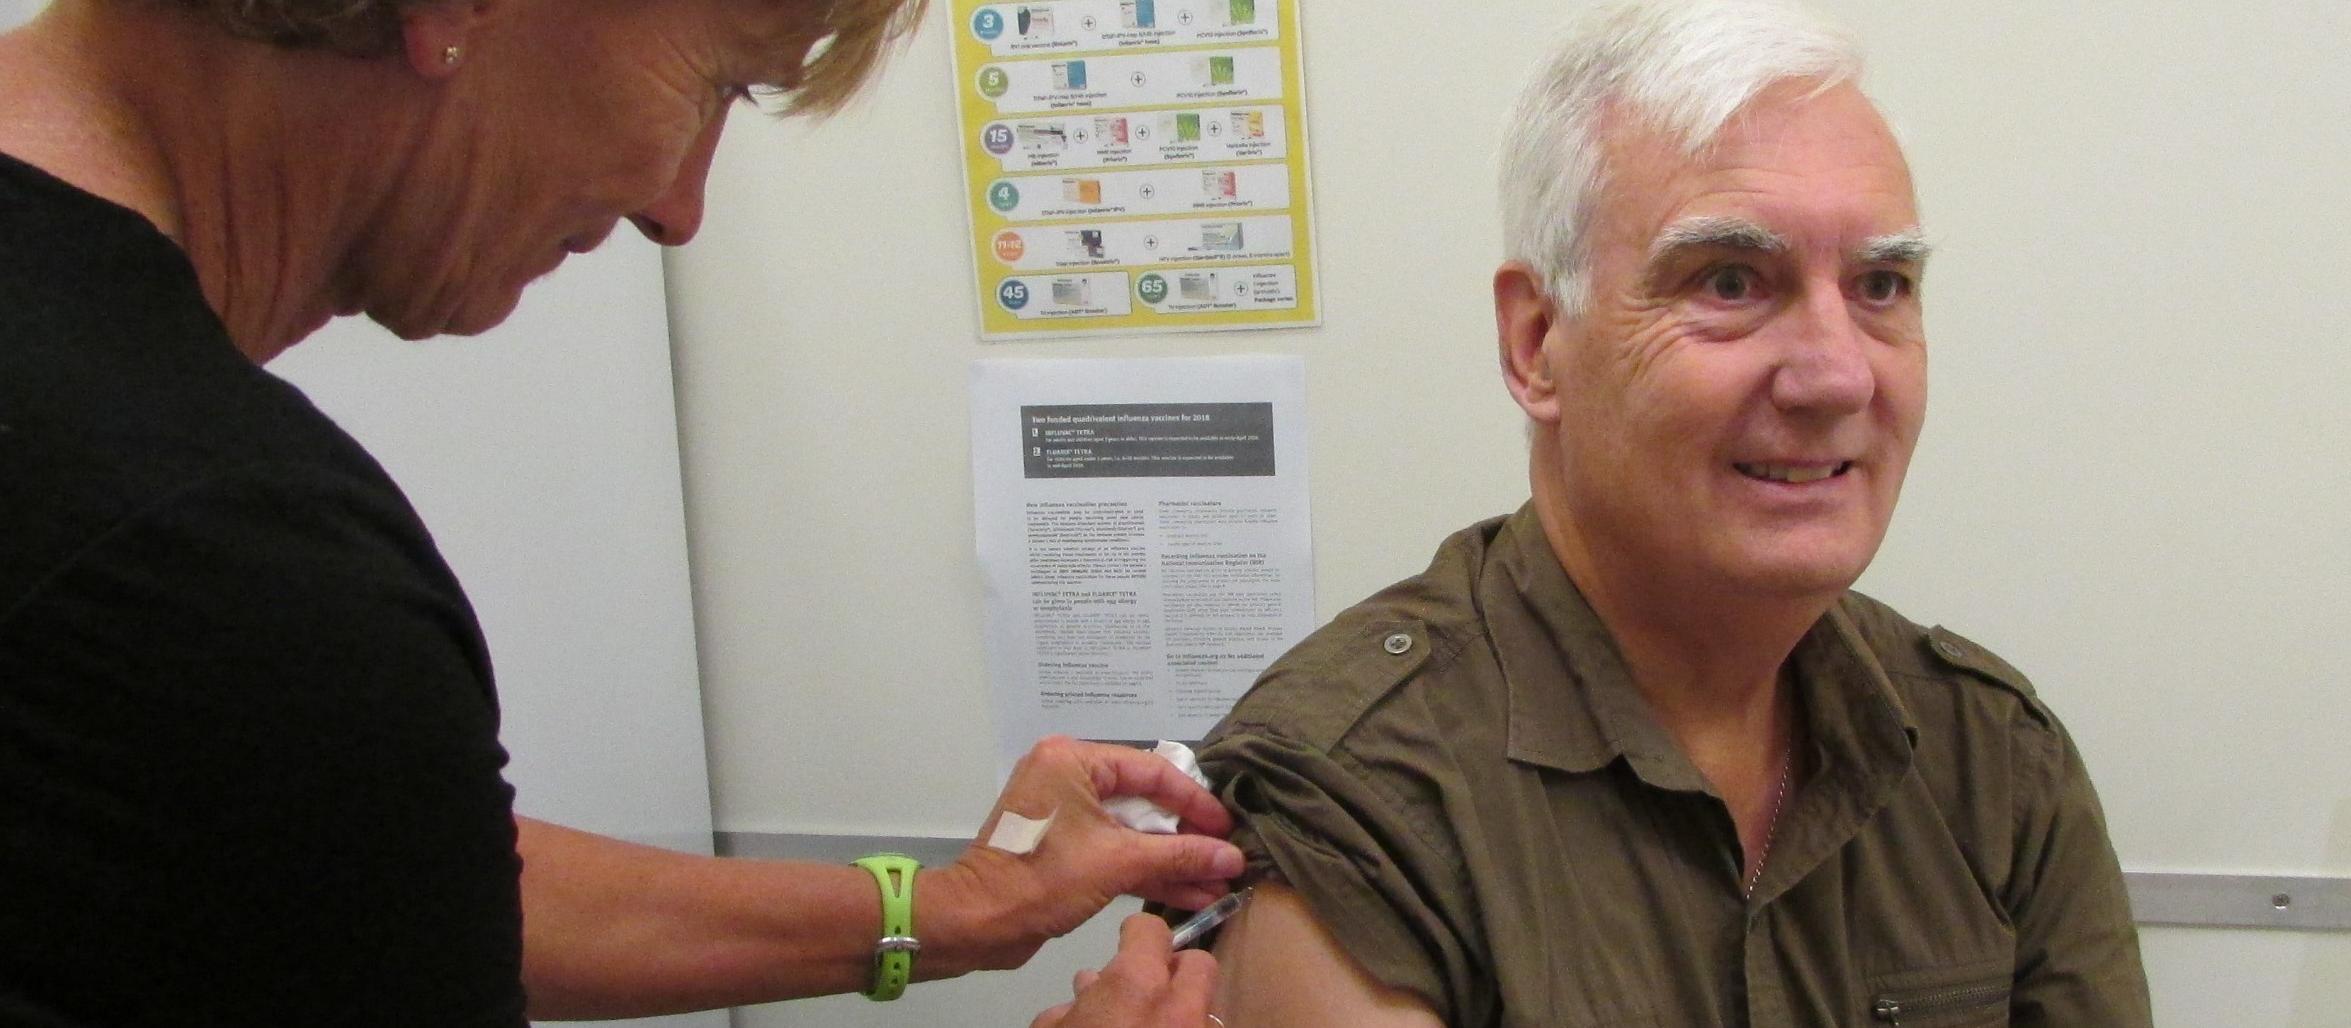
x: 1793, y: 474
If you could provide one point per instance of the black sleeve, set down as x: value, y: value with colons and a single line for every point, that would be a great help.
x: 250, y: 753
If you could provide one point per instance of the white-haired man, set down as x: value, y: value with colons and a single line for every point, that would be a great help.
x: 1636, y: 754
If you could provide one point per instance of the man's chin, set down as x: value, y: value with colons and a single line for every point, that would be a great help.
x: 1802, y: 575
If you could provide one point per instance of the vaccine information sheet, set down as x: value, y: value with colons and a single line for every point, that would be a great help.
x: 1144, y: 537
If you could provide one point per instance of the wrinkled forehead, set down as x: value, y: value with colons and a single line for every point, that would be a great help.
x: 1796, y: 152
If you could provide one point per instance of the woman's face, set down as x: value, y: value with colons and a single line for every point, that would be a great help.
x: 563, y: 117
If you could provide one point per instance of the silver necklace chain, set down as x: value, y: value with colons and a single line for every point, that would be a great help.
x: 1771, y: 826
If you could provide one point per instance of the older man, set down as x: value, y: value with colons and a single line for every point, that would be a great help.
x: 1636, y: 754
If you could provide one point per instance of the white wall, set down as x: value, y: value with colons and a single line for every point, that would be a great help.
x: 2129, y: 483
x: 543, y: 456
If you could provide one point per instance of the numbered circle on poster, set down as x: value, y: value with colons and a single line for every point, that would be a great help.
x: 993, y: 82
x: 1004, y: 196
x: 1152, y: 287
x: 1013, y: 294
x: 997, y: 138
x: 988, y: 24
x: 1010, y: 246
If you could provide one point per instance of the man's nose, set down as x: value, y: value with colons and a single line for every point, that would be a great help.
x: 1825, y: 366
x: 675, y: 216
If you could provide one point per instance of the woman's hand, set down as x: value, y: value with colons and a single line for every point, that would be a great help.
x: 1144, y: 986
x: 993, y: 908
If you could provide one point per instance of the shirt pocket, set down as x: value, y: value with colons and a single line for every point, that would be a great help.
x: 1959, y: 996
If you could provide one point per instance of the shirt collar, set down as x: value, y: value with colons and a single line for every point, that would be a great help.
x: 1573, y: 704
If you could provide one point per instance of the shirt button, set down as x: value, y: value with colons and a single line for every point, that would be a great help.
x: 1949, y: 649
x: 1397, y: 643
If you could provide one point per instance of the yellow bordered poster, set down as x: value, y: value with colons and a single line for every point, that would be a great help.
x: 1135, y: 165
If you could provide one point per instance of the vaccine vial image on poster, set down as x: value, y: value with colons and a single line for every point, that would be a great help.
x: 1045, y: 137
x: 1085, y: 244
x: 1138, y: 14
x: 1068, y: 75
x: 1220, y: 236
x: 1073, y: 292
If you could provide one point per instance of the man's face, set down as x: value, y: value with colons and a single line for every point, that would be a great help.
x: 1739, y: 403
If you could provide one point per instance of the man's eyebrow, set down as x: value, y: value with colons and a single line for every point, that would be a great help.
x: 1714, y: 231
x: 1909, y: 247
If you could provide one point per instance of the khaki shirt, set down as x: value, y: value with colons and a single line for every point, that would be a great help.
x: 1460, y: 777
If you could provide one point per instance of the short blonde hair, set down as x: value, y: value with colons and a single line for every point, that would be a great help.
x: 859, y: 32
x: 862, y: 31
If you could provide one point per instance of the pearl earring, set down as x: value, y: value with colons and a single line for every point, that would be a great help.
x: 450, y: 55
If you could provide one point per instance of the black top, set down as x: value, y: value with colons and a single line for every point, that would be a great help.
x: 249, y: 767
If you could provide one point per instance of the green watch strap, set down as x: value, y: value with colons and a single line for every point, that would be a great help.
x: 893, y: 955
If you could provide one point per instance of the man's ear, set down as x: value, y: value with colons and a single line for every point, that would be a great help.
x: 435, y: 37
x: 1524, y: 318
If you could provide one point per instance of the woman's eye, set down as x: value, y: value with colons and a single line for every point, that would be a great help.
x: 1732, y: 283
x: 1884, y: 286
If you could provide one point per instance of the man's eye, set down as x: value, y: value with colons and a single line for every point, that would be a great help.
x: 1884, y: 286
x: 1732, y: 283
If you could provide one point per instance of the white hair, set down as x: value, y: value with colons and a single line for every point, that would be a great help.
x: 1680, y: 68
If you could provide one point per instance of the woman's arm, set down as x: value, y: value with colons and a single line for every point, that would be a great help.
x: 614, y: 929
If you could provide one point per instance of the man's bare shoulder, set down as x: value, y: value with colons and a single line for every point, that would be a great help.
x: 1279, y: 964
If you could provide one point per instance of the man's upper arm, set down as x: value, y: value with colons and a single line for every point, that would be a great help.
x: 1369, y: 850
x: 2077, y: 951
x: 1280, y: 965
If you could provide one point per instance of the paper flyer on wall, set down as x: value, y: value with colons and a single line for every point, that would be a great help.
x: 1144, y: 536
x: 1135, y: 165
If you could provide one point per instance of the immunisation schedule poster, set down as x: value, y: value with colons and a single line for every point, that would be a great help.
x: 1135, y: 165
